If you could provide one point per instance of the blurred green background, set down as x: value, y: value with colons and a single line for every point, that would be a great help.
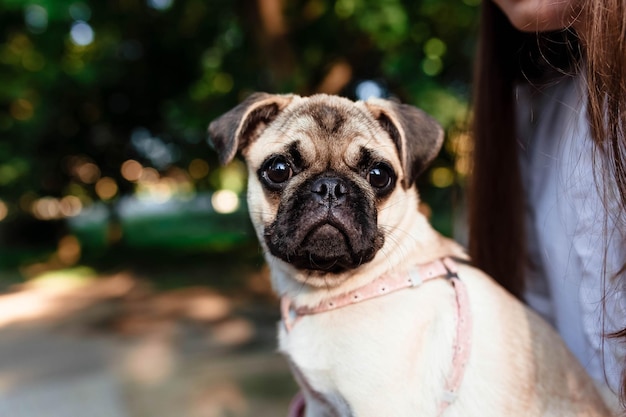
x: 131, y: 283
x: 104, y: 107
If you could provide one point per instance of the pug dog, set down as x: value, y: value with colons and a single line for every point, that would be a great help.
x: 381, y: 315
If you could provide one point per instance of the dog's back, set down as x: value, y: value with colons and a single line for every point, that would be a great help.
x: 514, y: 348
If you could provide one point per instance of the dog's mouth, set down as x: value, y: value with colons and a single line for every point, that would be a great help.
x: 327, y: 248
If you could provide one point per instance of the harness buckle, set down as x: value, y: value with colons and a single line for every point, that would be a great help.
x: 450, y: 267
x: 415, y: 278
x: 288, y: 313
x: 449, y: 396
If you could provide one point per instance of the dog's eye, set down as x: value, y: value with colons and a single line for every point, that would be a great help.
x: 380, y: 176
x: 278, y: 170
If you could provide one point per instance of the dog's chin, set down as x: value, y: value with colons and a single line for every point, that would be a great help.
x: 326, y: 250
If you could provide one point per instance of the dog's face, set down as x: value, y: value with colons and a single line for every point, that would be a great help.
x: 322, y: 170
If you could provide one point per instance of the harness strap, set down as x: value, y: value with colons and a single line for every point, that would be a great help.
x: 462, y: 346
x: 297, y: 406
x: 390, y: 283
x: 386, y: 284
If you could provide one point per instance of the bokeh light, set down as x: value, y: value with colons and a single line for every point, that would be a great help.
x: 149, y: 175
x: 162, y: 191
x: 442, y: 177
x: 68, y: 250
x: 131, y: 170
x: 198, y: 169
x: 369, y: 89
x: 432, y: 66
x: 160, y: 4
x: 21, y: 109
x: 70, y: 206
x: 223, y: 83
x: 231, y: 177
x: 106, y: 188
x: 36, y: 18
x: 435, y: 47
x: 46, y: 208
x: 460, y: 145
x: 344, y: 8
x: 88, y: 172
x: 225, y: 201
x: 81, y: 33
x: 51, y: 208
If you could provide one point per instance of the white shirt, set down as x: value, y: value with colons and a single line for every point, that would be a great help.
x: 565, y: 220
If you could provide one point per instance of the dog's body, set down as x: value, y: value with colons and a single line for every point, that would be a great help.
x: 333, y: 200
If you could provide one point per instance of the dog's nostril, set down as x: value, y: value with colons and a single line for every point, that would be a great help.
x: 322, y: 189
x: 340, y: 190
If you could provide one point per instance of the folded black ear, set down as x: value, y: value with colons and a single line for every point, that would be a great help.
x: 417, y: 136
x: 235, y: 130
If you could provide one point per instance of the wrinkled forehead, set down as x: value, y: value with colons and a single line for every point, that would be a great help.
x: 326, y: 128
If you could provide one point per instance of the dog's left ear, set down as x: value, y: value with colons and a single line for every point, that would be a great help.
x: 417, y: 136
x: 239, y: 127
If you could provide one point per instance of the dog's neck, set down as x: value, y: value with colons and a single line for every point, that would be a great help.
x: 421, y: 244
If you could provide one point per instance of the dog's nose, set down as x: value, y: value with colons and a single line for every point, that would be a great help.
x: 329, y: 190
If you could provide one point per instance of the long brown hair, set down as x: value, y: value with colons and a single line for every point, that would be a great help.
x: 505, y: 57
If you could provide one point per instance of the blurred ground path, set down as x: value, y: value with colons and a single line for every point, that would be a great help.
x: 116, y: 347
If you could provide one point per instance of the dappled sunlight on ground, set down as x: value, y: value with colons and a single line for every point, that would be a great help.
x: 57, y: 295
x: 71, y: 335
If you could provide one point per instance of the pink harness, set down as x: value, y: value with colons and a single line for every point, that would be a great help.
x: 386, y: 284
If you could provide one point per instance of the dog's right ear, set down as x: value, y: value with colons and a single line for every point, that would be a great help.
x: 238, y: 128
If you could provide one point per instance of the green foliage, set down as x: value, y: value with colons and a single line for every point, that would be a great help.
x: 170, y: 67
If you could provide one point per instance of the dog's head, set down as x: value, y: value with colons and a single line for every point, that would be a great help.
x: 322, y: 170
